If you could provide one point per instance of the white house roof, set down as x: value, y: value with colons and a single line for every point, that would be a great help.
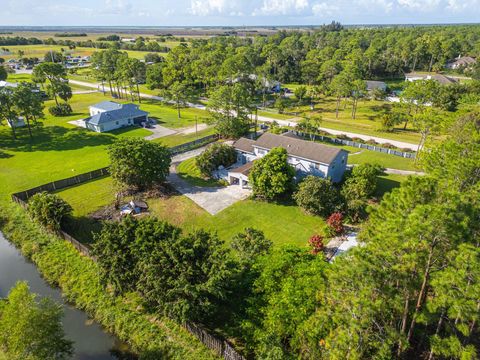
x: 107, y: 105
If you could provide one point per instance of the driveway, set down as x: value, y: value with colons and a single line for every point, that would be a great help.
x: 211, y: 199
x: 159, y: 132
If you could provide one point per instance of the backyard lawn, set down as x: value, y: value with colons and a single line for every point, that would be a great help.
x: 282, y: 223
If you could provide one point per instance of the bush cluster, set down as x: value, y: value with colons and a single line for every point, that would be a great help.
x: 214, y: 156
x: 60, y: 109
x: 50, y: 210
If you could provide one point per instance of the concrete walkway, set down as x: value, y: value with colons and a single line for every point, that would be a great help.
x: 211, y: 199
x: 290, y: 122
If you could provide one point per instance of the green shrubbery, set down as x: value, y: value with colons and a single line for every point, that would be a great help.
x: 50, y: 210
x: 62, y: 265
x: 60, y: 110
x: 214, y: 156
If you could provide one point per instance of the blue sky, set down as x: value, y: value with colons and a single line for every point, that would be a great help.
x: 235, y: 12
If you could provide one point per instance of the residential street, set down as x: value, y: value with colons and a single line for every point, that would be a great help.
x: 399, y: 144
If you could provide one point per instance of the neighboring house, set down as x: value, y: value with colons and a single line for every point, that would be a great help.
x: 270, y: 85
x: 374, y: 85
x: 109, y: 115
x: 4, y: 84
x: 19, y: 122
x: 307, y: 157
x: 462, y: 62
x: 442, y: 79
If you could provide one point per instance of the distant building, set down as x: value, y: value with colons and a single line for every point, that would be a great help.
x: 442, y: 79
x: 7, y: 84
x: 109, y: 115
x: 306, y: 157
x: 374, y: 85
x: 462, y: 62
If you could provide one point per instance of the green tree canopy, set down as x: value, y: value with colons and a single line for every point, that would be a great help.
x: 318, y: 196
x: 138, y: 163
x: 271, y: 176
x: 31, y: 328
x: 49, y: 210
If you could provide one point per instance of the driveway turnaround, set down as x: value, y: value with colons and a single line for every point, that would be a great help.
x: 211, y: 199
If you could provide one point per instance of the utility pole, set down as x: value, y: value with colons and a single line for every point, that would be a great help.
x: 256, y: 120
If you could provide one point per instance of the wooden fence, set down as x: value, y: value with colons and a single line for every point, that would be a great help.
x: 62, y: 184
x: 408, y: 155
x: 221, y: 347
x: 193, y: 144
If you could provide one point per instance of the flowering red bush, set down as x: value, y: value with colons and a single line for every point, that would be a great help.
x: 316, y: 243
x: 335, y: 223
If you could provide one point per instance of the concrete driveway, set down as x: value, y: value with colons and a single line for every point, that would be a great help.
x: 159, y: 132
x: 211, y: 199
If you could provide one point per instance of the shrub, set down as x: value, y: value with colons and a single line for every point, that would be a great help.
x: 371, y: 142
x: 214, y: 156
x: 250, y: 244
x: 60, y: 109
x: 343, y: 137
x: 318, y: 196
x: 388, y: 146
x: 358, y: 140
x: 49, y: 210
x: 335, y: 223
x: 138, y: 163
x: 317, y: 244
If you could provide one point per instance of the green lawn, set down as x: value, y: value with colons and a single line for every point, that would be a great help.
x: 387, y: 182
x: 179, y: 139
x: 39, y: 51
x: 274, y: 115
x: 282, y: 223
x: 189, y: 171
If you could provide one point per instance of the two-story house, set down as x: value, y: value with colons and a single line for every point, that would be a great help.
x: 306, y: 157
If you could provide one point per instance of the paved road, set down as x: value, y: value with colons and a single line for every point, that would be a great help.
x: 399, y: 144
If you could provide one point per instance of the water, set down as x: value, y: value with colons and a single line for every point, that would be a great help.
x: 91, y: 342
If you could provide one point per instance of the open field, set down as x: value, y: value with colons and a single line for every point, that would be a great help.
x: 39, y: 51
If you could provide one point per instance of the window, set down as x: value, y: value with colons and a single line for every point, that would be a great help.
x: 116, y: 122
x: 343, y: 161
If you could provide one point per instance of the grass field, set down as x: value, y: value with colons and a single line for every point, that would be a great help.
x: 39, y: 51
x: 189, y: 171
x: 59, y: 149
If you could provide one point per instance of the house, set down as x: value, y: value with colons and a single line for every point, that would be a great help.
x: 7, y: 84
x: 442, y: 79
x: 374, y: 85
x: 18, y: 122
x: 462, y: 62
x: 109, y: 115
x: 307, y: 157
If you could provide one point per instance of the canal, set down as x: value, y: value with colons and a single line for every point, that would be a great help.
x: 91, y: 342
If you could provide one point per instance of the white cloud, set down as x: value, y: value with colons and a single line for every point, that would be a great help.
x: 117, y: 7
x: 423, y: 5
x: 323, y: 8
x: 216, y: 7
x: 461, y: 5
x: 283, y: 7
x: 386, y: 6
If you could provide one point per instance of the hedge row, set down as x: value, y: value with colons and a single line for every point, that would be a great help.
x: 77, y: 276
